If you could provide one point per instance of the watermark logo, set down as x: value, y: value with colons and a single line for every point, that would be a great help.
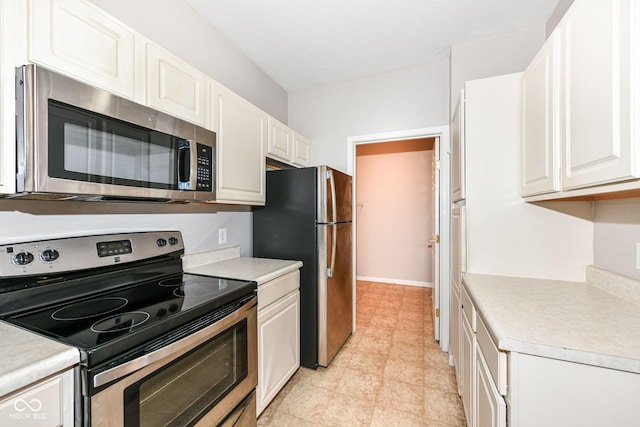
x: 21, y: 405
x: 27, y: 410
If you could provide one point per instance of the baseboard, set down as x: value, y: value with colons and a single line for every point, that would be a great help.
x: 396, y: 281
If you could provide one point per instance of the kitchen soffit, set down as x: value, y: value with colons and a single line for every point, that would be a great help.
x: 304, y: 43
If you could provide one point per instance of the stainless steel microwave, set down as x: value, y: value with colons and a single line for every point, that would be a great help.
x: 79, y: 142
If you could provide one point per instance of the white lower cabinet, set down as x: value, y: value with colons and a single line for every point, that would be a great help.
x: 454, y: 337
x: 47, y: 403
x: 521, y: 390
x: 483, y: 381
x: 550, y: 392
x: 278, y: 335
x: 467, y: 367
x: 490, y: 408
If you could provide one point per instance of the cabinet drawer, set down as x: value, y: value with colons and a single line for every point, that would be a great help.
x: 468, y: 309
x: 275, y: 289
x: 496, y: 359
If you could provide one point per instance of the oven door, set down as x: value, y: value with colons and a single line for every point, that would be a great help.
x: 198, y: 380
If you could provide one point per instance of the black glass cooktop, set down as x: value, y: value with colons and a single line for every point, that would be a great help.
x: 104, y: 325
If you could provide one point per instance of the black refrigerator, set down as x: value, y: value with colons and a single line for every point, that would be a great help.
x: 307, y: 217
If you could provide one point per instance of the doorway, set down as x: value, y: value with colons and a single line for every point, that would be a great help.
x: 425, y: 252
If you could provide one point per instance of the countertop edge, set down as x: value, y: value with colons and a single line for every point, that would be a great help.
x: 600, y: 360
x: 260, y: 270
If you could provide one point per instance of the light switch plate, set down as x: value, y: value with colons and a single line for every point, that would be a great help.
x: 222, y: 235
x: 638, y: 256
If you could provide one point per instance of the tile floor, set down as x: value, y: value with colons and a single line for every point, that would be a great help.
x: 389, y: 373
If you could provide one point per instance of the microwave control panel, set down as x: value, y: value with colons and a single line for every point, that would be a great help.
x: 205, y: 168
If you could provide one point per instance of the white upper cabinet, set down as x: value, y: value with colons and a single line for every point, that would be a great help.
x: 280, y: 141
x: 286, y: 145
x: 240, y: 146
x: 174, y: 86
x: 81, y: 41
x: 600, y: 71
x: 592, y: 131
x: 8, y: 41
x: 540, y: 126
x: 458, y: 152
x: 301, y: 150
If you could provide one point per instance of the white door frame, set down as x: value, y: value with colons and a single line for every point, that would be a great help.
x: 443, y: 133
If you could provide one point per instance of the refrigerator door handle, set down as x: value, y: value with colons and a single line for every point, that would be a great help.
x: 334, y: 236
x: 334, y: 212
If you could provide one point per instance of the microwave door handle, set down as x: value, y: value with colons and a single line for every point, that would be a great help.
x: 186, y: 158
x: 333, y: 225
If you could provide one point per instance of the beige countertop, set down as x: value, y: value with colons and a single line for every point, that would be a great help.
x: 573, y: 321
x: 28, y: 358
x: 227, y: 262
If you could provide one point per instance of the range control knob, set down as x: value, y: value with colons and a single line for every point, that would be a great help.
x: 49, y: 255
x: 23, y: 258
x: 173, y: 241
x: 161, y: 242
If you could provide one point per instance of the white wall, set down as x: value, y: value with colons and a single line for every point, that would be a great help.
x: 175, y: 26
x: 493, y: 56
x: 617, y: 231
x: 22, y: 221
x: 408, y: 99
x: 505, y: 235
x: 394, y: 217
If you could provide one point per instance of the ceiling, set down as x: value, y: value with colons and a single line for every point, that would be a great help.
x: 306, y: 43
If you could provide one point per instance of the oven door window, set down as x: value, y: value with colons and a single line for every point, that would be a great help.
x: 180, y: 393
x: 87, y: 146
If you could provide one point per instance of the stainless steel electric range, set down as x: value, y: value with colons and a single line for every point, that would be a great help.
x: 158, y: 347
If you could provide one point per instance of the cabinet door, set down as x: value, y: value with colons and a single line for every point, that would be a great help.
x: 49, y: 402
x: 301, y: 150
x: 455, y: 334
x: 81, y: 41
x: 174, y: 86
x: 455, y: 319
x: 599, y: 74
x: 241, y: 139
x: 8, y: 41
x: 468, y: 367
x: 280, y: 141
x: 540, y: 120
x: 490, y: 409
x: 458, y: 152
x: 278, y: 346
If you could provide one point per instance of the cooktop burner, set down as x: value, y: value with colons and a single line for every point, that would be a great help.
x: 88, y: 309
x: 120, y: 322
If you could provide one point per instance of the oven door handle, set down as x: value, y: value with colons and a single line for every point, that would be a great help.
x: 178, y: 347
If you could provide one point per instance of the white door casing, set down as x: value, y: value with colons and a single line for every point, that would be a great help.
x: 442, y: 135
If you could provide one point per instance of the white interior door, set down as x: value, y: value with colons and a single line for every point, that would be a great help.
x: 435, y: 239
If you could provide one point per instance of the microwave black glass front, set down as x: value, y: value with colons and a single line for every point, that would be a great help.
x: 74, y: 139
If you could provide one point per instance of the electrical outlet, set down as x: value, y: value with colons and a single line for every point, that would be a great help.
x: 638, y: 256
x: 222, y: 235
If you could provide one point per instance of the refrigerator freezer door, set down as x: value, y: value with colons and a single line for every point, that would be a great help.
x: 335, y: 293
